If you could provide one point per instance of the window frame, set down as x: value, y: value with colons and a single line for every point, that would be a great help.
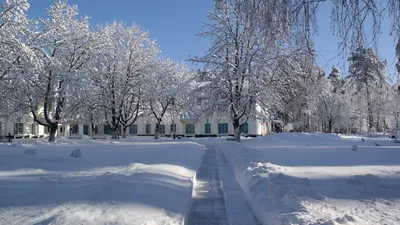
x: 244, y: 127
x: 107, y: 130
x: 172, y: 128
x: 190, y: 128
x: 85, y: 129
x: 133, y: 129
x: 148, y: 129
x: 161, y: 129
x: 34, y: 129
x: 19, y: 128
x: 222, y: 127
x: 207, y: 128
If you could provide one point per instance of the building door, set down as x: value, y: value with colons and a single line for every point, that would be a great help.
x: 75, y: 129
x: 85, y: 129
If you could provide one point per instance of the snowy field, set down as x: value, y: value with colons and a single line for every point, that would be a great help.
x: 290, y: 178
x: 140, y: 181
x: 300, y: 178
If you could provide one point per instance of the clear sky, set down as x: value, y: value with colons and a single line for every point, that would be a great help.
x: 327, y: 44
x: 175, y: 23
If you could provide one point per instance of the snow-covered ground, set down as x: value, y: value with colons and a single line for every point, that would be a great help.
x: 289, y: 178
x: 139, y: 181
x: 301, y: 178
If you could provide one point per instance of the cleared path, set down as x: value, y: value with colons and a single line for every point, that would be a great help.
x: 217, y: 197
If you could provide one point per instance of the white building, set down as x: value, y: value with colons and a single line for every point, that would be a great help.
x: 144, y: 126
x: 22, y: 128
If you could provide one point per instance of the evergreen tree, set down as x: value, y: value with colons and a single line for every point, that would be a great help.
x: 367, y: 77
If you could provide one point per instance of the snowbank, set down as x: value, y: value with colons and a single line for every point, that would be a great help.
x: 315, y: 179
x: 140, y: 182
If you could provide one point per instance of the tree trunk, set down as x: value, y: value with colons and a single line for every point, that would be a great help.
x: 124, y: 132
x: 114, y: 134
x: 53, y: 131
x: 156, y: 136
x: 377, y: 124
x: 93, y: 128
x: 369, y: 106
x: 236, y: 126
x: 330, y: 126
x: 90, y: 131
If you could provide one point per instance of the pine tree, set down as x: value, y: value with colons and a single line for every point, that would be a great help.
x: 367, y: 76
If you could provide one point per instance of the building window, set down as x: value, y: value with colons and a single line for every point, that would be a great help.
x: 161, y: 129
x: 85, y: 129
x: 244, y: 129
x: 133, y: 129
x: 75, y: 129
x: 222, y: 128
x: 107, y: 129
x: 207, y: 128
x: 18, y: 128
x: 34, y: 129
x: 172, y: 128
x: 189, y: 128
x: 148, y: 129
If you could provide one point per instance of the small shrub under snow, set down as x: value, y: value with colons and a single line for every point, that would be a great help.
x: 30, y: 152
x: 76, y: 153
x: 305, y: 181
x: 16, y: 145
x: 354, y: 148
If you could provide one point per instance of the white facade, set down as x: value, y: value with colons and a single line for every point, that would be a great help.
x: 144, y: 126
x: 22, y: 128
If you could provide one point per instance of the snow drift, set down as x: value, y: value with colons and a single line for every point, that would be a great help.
x: 314, y: 179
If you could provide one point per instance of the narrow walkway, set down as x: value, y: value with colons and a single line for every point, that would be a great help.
x: 217, y: 197
x: 239, y: 212
x: 208, y: 200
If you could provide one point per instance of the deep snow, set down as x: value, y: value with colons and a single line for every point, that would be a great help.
x: 290, y: 178
x: 138, y: 181
x: 301, y: 178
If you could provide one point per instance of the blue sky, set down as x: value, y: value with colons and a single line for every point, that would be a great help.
x: 174, y: 23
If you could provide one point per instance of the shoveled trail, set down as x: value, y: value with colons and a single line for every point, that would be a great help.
x: 217, y: 197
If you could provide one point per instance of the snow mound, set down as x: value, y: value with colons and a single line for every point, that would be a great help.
x: 86, y: 137
x: 297, y: 139
x: 345, y: 220
x: 30, y: 152
x: 278, y: 194
x: 16, y: 145
x: 76, y: 153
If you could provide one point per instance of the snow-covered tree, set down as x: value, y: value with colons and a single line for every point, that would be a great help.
x: 15, y: 55
x: 241, y: 59
x: 367, y: 77
x: 121, y: 63
x: 330, y: 104
x: 167, y: 87
x: 335, y: 78
x: 62, y: 43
